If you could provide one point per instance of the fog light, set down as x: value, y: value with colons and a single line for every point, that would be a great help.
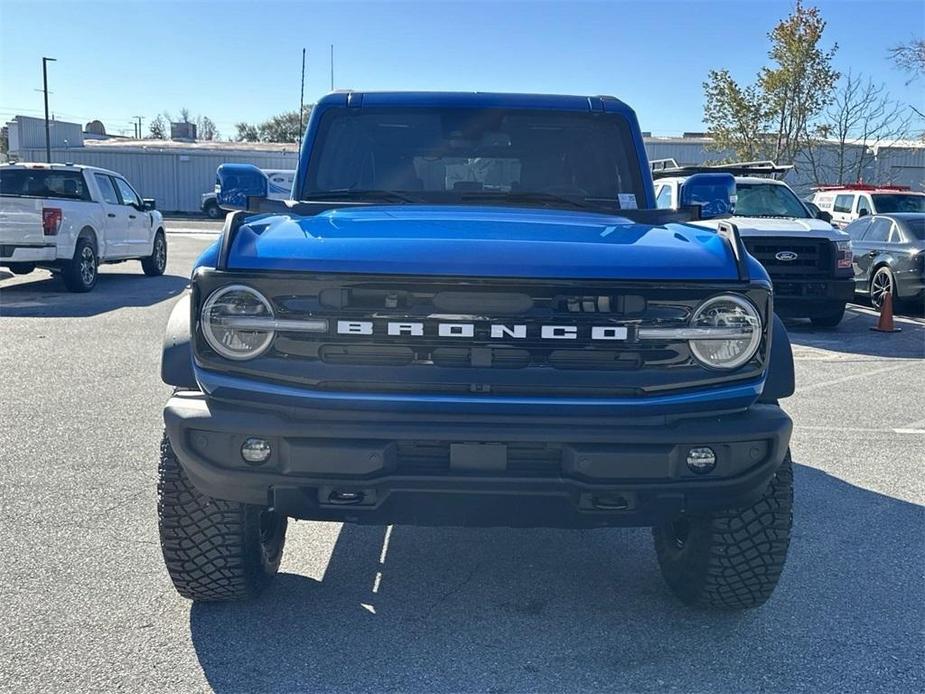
x: 255, y: 451
x: 701, y: 460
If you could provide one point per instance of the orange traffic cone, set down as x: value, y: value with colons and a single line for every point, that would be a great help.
x: 885, y: 324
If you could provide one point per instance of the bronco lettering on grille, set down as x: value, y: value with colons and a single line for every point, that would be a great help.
x: 497, y: 331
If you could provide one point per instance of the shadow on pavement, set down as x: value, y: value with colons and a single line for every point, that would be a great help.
x: 48, y: 298
x: 524, y: 610
x: 854, y: 335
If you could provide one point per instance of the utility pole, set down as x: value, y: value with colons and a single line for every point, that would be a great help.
x: 302, y: 96
x: 45, y: 62
x: 332, y: 67
x: 138, y: 136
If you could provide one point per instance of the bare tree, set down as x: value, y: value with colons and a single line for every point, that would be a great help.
x: 910, y: 57
x: 157, y: 127
x: 206, y: 128
x: 861, y: 117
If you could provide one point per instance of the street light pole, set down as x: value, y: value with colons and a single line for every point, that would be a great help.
x: 45, y: 62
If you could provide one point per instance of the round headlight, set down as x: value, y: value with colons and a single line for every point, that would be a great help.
x: 732, y: 332
x: 231, y: 319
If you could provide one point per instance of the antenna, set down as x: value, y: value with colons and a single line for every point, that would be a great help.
x: 332, y: 67
x: 302, y: 96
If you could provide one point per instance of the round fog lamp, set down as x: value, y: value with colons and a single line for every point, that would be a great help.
x: 701, y: 460
x: 255, y: 451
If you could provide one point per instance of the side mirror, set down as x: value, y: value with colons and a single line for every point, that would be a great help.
x: 713, y: 193
x: 148, y: 204
x: 239, y: 182
x: 824, y: 216
x: 863, y: 212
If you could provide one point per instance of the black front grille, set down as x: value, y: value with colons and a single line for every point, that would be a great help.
x: 479, y: 362
x: 784, y: 256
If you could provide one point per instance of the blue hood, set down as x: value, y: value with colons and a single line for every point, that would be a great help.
x: 480, y: 242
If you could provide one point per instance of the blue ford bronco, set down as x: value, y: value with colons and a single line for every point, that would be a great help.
x: 472, y: 313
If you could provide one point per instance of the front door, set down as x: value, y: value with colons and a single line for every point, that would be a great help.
x: 139, y: 221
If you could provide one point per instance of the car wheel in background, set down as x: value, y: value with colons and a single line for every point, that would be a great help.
x: 155, y: 264
x: 21, y: 268
x: 80, y: 274
x: 730, y: 559
x: 881, y: 283
x: 214, y: 212
x: 829, y: 320
x: 214, y: 550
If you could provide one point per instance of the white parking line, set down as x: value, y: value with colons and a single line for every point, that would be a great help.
x: 845, y: 379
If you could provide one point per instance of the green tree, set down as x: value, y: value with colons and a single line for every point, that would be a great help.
x: 772, y: 118
x: 283, y: 127
x: 246, y: 132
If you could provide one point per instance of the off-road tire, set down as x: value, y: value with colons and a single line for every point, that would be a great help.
x: 829, y: 320
x: 155, y: 264
x: 214, y: 550
x: 80, y: 273
x: 730, y: 559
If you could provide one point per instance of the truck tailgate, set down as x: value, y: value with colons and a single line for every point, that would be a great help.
x: 21, y: 220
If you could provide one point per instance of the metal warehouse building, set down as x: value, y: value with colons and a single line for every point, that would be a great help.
x: 176, y: 173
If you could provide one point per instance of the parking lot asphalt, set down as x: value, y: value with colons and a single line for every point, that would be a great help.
x: 87, y: 605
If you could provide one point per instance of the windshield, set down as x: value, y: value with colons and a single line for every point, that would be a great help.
x: 899, y: 202
x: 768, y: 200
x: 464, y: 155
x: 915, y: 228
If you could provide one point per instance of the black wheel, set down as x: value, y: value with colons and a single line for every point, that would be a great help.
x: 21, y: 268
x: 214, y: 212
x: 829, y: 320
x: 155, y: 264
x: 881, y: 283
x: 214, y: 550
x: 731, y: 559
x: 80, y: 274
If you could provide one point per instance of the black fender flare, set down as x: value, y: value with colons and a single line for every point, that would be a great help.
x: 177, y: 353
x: 781, y: 381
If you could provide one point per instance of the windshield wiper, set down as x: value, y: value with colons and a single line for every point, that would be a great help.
x: 526, y: 197
x: 347, y: 193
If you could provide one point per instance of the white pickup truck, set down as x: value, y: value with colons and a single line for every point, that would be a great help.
x: 70, y: 219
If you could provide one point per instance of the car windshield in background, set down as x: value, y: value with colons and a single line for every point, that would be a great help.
x: 767, y: 200
x: 899, y: 202
x: 915, y: 228
x: 476, y: 156
x: 43, y: 183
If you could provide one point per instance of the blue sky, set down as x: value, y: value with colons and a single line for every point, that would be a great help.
x: 241, y: 60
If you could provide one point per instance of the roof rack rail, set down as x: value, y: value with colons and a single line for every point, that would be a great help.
x: 669, y: 167
x: 858, y: 186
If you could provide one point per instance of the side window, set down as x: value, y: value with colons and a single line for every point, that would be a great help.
x: 864, y: 206
x: 879, y: 230
x: 856, y: 229
x: 128, y: 195
x: 106, y: 189
x: 895, y: 235
x: 663, y: 199
x: 844, y: 203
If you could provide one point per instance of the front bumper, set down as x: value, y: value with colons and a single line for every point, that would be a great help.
x: 805, y: 298
x: 486, y: 470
